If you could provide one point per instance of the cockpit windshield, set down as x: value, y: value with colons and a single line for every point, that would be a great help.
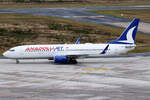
x: 11, y: 50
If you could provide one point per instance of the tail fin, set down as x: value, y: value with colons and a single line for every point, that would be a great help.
x: 128, y: 36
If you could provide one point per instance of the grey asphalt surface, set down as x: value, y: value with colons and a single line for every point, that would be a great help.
x: 92, y: 79
x: 82, y: 14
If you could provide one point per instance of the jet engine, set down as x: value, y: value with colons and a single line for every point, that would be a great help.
x: 65, y: 60
x: 61, y: 59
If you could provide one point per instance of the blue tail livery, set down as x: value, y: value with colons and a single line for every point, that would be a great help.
x: 128, y: 36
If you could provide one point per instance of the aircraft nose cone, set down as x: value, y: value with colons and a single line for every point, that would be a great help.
x: 5, y: 54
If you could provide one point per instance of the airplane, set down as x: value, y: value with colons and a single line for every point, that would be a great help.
x: 69, y: 53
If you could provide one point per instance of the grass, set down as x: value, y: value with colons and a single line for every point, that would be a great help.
x: 143, y: 14
x: 19, y: 29
x: 71, y: 4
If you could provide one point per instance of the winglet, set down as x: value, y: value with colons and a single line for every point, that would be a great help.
x: 104, y: 51
x: 78, y: 41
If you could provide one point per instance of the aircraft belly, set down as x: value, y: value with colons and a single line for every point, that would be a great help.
x: 35, y: 55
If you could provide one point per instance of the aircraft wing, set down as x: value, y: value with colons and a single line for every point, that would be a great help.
x: 74, y: 54
x: 82, y: 54
x: 78, y: 56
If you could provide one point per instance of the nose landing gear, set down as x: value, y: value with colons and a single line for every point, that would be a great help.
x: 17, y: 61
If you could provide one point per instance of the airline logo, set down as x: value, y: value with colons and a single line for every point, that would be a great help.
x: 34, y: 49
x: 129, y: 36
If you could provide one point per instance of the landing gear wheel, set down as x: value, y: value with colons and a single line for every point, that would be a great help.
x: 72, y: 61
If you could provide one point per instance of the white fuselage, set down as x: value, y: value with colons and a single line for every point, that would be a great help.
x: 68, y: 53
x: 50, y: 51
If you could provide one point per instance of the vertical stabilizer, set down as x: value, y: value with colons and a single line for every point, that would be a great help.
x: 128, y: 36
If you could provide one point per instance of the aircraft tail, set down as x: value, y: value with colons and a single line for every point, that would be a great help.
x: 128, y: 36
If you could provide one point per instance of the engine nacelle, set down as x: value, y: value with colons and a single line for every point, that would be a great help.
x: 61, y: 59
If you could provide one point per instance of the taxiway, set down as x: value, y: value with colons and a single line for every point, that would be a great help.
x: 123, y: 78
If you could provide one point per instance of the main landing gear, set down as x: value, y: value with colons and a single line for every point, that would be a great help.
x: 72, y: 61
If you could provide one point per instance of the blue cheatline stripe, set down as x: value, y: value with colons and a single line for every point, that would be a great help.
x: 115, y: 42
x: 104, y: 51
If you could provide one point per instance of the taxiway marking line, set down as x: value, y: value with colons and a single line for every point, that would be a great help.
x: 95, y: 69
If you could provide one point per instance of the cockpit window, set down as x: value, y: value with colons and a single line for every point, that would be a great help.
x: 12, y: 50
